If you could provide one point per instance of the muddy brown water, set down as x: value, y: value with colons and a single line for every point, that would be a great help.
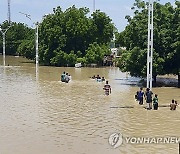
x: 42, y: 115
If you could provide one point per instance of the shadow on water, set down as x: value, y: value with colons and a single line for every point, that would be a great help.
x: 132, y: 81
x: 131, y: 107
x: 121, y: 107
x: 27, y: 62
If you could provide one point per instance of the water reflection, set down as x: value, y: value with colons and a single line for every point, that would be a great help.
x: 49, y: 116
x: 4, y: 61
x: 37, y: 72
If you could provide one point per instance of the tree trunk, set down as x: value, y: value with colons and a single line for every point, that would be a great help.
x: 179, y: 80
x: 154, y: 77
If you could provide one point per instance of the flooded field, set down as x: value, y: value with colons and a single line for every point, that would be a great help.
x: 39, y: 114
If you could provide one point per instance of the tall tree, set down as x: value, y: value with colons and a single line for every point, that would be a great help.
x: 101, y: 28
x: 95, y: 53
x: 172, y: 64
x: 134, y: 38
x: 72, y: 30
x: 16, y: 34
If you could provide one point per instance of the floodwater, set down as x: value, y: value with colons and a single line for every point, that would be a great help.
x: 41, y: 115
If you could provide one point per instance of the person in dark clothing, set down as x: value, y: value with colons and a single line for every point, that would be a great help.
x: 107, y: 88
x: 93, y: 77
x: 173, y: 105
x: 155, y: 102
x: 148, y: 95
x: 63, y: 76
x: 140, y: 96
x: 103, y: 79
x: 136, y: 96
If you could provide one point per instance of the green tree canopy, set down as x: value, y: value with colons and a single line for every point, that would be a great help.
x: 16, y: 34
x: 166, y: 40
x: 95, y: 53
x: 72, y: 30
x: 64, y: 37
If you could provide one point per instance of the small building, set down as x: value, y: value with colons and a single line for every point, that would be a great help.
x: 114, y: 51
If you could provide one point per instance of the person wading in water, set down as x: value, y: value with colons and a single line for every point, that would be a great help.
x: 173, y: 105
x: 149, y: 98
x: 107, y: 88
x: 155, y: 102
x: 140, y: 96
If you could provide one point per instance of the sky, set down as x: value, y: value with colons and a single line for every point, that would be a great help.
x: 115, y: 9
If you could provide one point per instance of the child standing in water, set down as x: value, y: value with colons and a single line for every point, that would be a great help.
x: 155, y: 102
x: 107, y: 88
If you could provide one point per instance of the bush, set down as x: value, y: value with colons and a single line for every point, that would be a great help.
x: 64, y: 59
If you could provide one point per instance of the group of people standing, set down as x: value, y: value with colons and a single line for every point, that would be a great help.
x: 65, y: 77
x: 140, y: 95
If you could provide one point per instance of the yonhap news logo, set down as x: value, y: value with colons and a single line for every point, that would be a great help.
x: 117, y: 139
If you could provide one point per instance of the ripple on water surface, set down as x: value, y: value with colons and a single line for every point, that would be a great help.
x: 48, y: 116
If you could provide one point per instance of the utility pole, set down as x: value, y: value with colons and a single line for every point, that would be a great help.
x: 94, y: 7
x: 3, y: 31
x: 37, y: 42
x: 150, y: 45
x: 37, y: 35
x: 9, y: 12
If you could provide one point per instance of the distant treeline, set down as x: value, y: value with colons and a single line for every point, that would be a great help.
x: 65, y: 37
x: 75, y: 35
